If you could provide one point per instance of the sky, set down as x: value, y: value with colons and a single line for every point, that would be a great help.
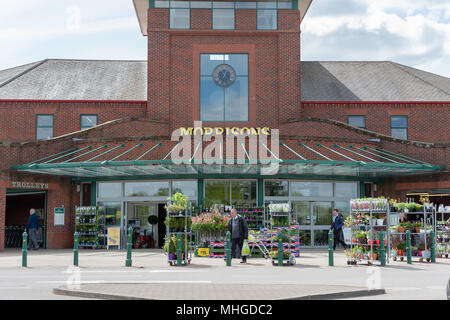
x: 411, y: 32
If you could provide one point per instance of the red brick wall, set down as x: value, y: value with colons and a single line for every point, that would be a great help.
x: 2, y: 216
x: 428, y: 122
x: 60, y: 193
x: 277, y: 64
x: 18, y: 118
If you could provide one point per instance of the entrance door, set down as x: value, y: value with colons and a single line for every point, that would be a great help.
x: 145, y: 234
x: 314, y: 218
x: 18, y: 205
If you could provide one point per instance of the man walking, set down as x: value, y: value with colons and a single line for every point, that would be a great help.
x: 336, y: 226
x: 32, y: 227
x: 239, y: 232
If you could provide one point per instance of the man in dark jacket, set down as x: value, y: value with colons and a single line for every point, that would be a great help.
x: 33, y: 227
x: 239, y: 232
x: 336, y: 226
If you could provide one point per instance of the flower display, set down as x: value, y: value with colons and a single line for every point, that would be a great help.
x: 210, y: 222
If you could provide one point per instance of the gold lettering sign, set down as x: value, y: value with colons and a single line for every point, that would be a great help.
x: 246, y: 131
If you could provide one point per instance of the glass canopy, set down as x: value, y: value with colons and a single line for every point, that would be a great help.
x: 323, y: 161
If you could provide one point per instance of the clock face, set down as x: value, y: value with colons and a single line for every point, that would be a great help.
x: 224, y: 75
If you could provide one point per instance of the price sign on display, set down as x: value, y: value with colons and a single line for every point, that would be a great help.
x: 113, y: 236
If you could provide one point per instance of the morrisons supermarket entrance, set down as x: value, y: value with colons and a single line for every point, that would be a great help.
x: 132, y: 190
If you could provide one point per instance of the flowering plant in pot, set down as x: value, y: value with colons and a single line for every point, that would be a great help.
x: 401, y: 248
x: 352, y: 256
x: 418, y: 226
x: 178, y: 203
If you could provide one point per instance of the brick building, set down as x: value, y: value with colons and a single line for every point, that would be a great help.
x: 77, y: 132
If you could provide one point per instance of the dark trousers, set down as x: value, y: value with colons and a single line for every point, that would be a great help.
x: 33, y: 234
x: 338, y: 237
x: 236, y: 248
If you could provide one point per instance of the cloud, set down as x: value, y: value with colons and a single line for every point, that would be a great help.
x: 409, y: 32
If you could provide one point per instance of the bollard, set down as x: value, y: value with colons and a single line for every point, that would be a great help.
x: 280, y: 250
x: 179, y: 249
x: 228, y: 249
x: 75, y: 249
x: 129, y: 246
x: 330, y: 249
x: 432, y: 248
x: 382, y: 250
x: 24, y: 249
x: 408, y: 247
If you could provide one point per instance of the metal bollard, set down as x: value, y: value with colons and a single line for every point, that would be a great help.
x: 129, y: 246
x: 24, y: 249
x: 179, y: 249
x: 330, y: 249
x: 382, y: 250
x: 228, y: 249
x: 408, y: 247
x: 432, y: 247
x: 75, y: 249
x: 280, y: 250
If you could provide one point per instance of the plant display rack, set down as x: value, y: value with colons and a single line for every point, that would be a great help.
x: 442, y: 238
x: 420, y: 235
x: 90, y: 225
x: 280, y: 217
x: 368, y: 216
x: 172, y: 232
x: 254, y: 216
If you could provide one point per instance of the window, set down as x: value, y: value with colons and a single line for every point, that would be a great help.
x: 399, y: 127
x: 224, y: 87
x: 230, y: 192
x: 276, y: 188
x: 223, y: 15
x: 179, y: 18
x: 267, y: 19
x: 311, y: 189
x: 88, y: 121
x: 357, y: 121
x: 109, y: 189
x: 346, y: 190
x: 44, y: 126
x: 147, y: 189
x: 186, y: 187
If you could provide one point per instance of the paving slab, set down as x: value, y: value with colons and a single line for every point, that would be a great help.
x: 205, y: 291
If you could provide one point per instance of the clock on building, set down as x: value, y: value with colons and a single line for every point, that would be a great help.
x: 224, y: 75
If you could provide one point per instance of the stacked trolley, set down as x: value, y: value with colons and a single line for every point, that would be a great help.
x: 442, y: 233
x: 369, y: 217
x: 420, y: 237
x: 280, y: 215
x: 179, y: 222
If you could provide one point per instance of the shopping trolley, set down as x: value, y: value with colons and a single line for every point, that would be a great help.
x: 257, y: 239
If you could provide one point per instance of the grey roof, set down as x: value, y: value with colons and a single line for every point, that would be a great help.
x: 370, y: 81
x: 127, y: 80
x: 76, y: 80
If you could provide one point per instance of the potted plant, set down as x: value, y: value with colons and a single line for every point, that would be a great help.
x: 178, y: 203
x: 418, y: 226
x: 401, y: 206
x: 375, y: 253
x: 411, y: 207
x: 401, y: 249
x: 170, y: 247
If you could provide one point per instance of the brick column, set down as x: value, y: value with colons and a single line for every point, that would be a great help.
x: 289, y: 65
x: 158, y: 106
